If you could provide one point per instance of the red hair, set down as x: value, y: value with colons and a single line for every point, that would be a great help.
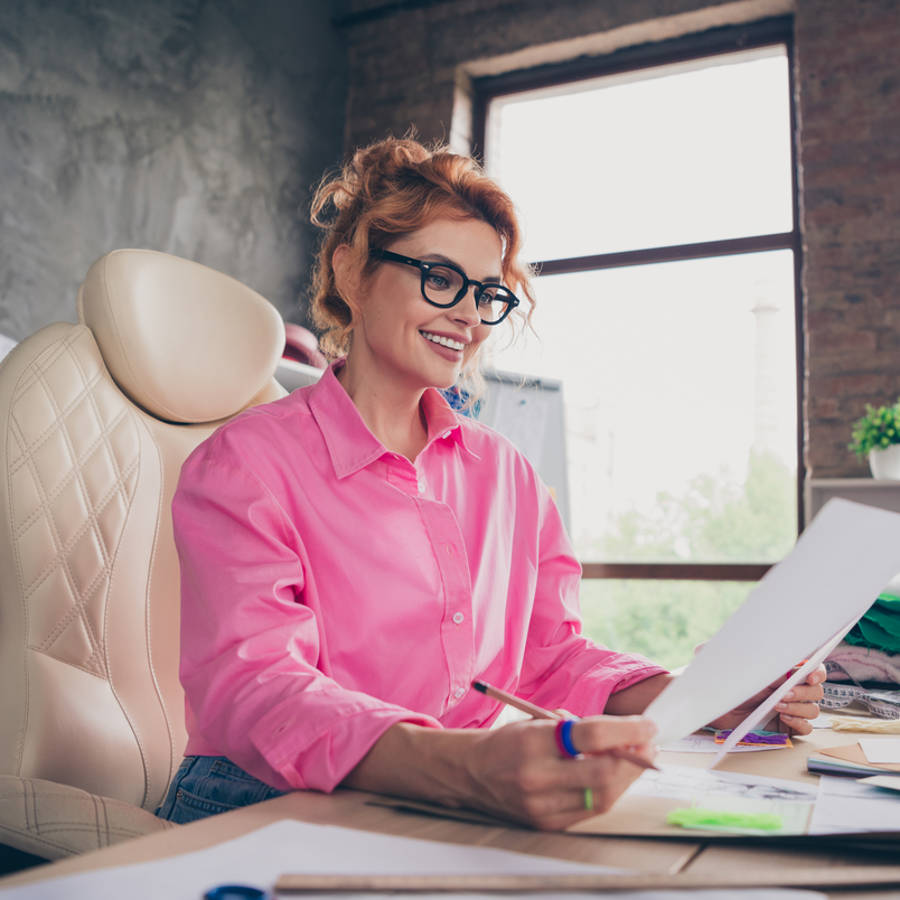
x: 390, y: 189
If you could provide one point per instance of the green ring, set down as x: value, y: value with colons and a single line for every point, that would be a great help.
x: 588, y: 799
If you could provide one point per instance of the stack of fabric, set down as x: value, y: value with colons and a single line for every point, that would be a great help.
x: 869, y: 659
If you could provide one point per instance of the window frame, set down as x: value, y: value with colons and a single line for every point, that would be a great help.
x: 728, y: 39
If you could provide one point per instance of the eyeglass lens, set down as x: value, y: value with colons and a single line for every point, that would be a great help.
x: 444, y: 286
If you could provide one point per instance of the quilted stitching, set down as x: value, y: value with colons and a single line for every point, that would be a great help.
x: 54, y: 820
x: 74, y: 457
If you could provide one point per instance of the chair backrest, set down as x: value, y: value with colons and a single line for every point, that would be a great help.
x: 95, y: 422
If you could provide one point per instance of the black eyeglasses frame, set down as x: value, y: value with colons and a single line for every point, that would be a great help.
x: 511, y: 301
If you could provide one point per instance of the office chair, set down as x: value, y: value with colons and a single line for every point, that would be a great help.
x: 95, y: 422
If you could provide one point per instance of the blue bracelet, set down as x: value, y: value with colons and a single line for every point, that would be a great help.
x: 565, y: 737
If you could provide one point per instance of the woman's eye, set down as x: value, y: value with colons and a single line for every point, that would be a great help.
x: 438, y: 281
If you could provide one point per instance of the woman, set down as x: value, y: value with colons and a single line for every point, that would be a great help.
x: 355, y: 554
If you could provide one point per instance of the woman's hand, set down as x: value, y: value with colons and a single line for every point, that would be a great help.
x: 515, y: 772
x: 795, y: 710
x: 518, y: 772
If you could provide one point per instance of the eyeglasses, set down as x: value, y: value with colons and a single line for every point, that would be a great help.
x: 444, y: 285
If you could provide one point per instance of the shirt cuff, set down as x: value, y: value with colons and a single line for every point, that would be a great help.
x: 318, y: 755
x: 595, y: 687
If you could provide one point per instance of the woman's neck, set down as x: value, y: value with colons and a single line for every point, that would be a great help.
x: 391, y: 412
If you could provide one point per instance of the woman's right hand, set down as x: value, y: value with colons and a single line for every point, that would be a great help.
x: 517, y: 771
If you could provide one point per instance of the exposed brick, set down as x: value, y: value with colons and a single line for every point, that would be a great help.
x: 847, y: 79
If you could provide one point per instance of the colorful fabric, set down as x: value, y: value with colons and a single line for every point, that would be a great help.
x: 331, y: 588
x: 849, y: 662
x: 879, y: 627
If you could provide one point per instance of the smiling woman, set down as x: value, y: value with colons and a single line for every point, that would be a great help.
x: 399, y: 345
x: 354, y: 555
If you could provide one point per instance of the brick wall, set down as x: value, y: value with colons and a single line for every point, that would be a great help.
x: 848, y: 78
x: 409, y: 63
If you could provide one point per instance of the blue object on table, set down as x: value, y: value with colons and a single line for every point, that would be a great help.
x: 236, y: 892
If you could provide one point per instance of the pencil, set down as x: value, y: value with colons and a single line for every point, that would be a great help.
x: 538, y: 712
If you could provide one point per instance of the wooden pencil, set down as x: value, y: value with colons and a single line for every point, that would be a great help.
x: 538, y: 712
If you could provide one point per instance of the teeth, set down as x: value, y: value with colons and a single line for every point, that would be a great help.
x: 443, y: 341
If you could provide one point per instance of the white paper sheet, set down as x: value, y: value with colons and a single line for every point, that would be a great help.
x: 837, y: 568
x: 260, y: 857
x: 766, y: 709
x: 791, y: 801
x: 845, y: 805
x: 881, y: 749
x: 885, y: 782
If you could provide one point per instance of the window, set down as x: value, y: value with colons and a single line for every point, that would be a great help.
x: 656, y: 192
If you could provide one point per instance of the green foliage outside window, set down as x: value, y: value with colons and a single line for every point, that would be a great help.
x: 665, y: 620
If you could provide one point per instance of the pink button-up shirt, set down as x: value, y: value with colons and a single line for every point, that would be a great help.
x: 331, y: 588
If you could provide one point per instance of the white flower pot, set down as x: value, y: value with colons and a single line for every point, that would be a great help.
x: 885, y: 463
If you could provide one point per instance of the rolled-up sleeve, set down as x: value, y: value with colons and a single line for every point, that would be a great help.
x: 250, y: 645
x: 562, y: 668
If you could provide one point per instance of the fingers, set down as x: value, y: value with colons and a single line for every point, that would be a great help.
x: 800, y: 704
x: 605, y: 780
x: 817, y: 676
x: 518, y: 771
x: 601, y: 733
x: 803, y: 693
x: 796, y: 724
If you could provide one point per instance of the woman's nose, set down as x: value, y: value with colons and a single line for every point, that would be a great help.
x: 467, y: 309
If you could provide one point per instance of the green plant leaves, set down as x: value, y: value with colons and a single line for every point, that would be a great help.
x: 878, y: 428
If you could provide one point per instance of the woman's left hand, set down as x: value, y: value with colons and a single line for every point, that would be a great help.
x: 795, y: 710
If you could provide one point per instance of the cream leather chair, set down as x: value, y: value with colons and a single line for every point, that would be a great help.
x: 95, y: 422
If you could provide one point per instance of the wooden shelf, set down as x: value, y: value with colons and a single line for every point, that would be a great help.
x: 880, y: 493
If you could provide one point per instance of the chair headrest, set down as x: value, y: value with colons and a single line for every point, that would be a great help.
x: 186, y: 343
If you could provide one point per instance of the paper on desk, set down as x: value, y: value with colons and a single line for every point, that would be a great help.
x: 846, y: 806
x: 260, y: 857
x: 838, y: 566
x: 885, y: 782
x: 881, y: 750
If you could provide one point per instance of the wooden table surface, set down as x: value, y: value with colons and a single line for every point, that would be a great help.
x: 353, y: 809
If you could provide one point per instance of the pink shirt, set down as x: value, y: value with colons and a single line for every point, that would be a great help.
x: 331, y: 588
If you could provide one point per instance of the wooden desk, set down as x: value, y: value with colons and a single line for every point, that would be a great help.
x: 350, y: 809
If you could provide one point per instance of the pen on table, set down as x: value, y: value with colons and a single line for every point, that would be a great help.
x: 538, y: 712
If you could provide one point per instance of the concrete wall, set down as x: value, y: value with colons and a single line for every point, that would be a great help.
x: 189, y: 126
x: 412, y: 64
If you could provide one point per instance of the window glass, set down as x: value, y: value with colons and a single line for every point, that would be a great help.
x: 664, y: 620
x: 679, y: 387
x: 681, y: 153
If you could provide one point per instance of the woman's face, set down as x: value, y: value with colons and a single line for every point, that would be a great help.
x: 402, y: 336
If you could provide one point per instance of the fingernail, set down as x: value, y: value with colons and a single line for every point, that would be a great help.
x: 789, y: 695
x: 781, y: 706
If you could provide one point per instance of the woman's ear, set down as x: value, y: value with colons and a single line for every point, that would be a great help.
x: 346, y: 277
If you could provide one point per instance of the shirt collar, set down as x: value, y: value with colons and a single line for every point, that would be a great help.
x: 351, y: 445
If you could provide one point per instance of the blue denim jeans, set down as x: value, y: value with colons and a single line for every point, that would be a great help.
x: 206, y: 785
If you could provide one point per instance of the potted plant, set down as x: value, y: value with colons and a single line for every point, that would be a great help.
x: 877, y: 436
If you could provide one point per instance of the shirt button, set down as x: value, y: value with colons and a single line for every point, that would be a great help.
x: 421, y: 487
x: 459, y: 618
x: 459, y: 692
